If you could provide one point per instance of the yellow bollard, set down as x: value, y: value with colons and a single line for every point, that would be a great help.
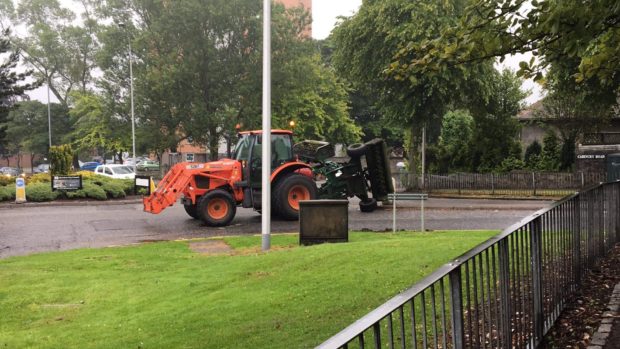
x: 153, y: 187
x: 20, y: 190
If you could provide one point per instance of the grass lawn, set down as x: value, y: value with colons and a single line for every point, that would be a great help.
x: 163, y: 295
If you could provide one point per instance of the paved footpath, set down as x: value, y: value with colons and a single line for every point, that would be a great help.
x: 608, y: 334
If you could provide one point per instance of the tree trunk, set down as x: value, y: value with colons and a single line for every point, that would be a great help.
x: 412, y: 182
x: 213, y: 144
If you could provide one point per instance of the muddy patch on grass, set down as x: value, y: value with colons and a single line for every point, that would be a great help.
x: 210, y: 247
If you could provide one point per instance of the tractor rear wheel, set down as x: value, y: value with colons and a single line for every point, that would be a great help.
x: 191, y: 210
x: 289, y: 191
x: 356, y: 150
x: 217, y: 208
x: 369, y: 205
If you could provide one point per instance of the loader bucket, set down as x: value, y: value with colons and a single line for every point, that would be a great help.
x: 379, y: 173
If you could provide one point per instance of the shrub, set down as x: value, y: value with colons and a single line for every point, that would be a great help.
x: 113, y: 188
x: 75, y: 194
x: 128, y: 185
x: 510, y: 164
x: 94, y: 191
x: 6, y: 180
x: 39, y: 178
x: 7, y: 193
x: 87, y: 175
x: 61, y: 158
x: 40, y: 192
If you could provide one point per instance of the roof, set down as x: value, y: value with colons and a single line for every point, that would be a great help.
x: 530, y: 113
x: 255, y: 132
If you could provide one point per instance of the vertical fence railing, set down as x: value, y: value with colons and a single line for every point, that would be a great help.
x: 514, y: 184
x: 504, y: 293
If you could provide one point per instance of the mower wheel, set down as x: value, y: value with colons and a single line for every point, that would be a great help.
x: 191, y: 210
x: 368, y: 206
x: 356, y: 150
x: 217, y: 208
x: 289, y: 191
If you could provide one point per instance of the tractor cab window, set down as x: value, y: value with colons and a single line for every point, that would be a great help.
x: 281, y: 149
x: 242, y: 149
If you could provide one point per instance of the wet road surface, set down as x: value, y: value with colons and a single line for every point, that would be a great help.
x: 26, y: 229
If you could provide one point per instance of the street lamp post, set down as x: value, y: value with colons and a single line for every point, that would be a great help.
x: 133, y: 120
x: 266, y: 170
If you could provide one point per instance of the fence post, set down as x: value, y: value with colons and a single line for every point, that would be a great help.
x: 537, y: 282
x: 456, y: 309
x: 583, y: 181
x: 577, y: 240
x: 458, y: 180
x: 504, y: 288
x: 534, y: 183
x: 492, y: 183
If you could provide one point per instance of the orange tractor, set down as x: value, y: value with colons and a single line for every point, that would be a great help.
x: 212, y: 191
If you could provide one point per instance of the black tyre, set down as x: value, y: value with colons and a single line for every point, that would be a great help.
x: 368, y: 206
x: 356, y: 150
x: 191, y: 210
x: 216, y: 208
x: 289, y: 191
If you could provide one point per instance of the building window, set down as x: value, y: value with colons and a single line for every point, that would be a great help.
x: 189, y: 157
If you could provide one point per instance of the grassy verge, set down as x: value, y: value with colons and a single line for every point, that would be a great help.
x: 165, y: 296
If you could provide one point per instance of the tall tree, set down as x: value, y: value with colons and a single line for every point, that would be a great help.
x: 12, y: 85
x: 372, y: 50
x: 27, y: 127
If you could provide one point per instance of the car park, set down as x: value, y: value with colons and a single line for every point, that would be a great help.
x: 10, y: 171
x: 115, y: 171
x: 42, y: 168
x: 89, y: 166
x: 148, y: 165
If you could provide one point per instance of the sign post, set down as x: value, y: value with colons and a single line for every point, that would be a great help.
x: 66, y: 183
x: 20, y: 190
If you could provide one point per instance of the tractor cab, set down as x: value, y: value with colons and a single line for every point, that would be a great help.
x: 284, y: 164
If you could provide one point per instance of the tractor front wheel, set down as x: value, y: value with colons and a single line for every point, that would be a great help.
x: 289, y: 191
x: 217, y: 208
x: 191, y: 210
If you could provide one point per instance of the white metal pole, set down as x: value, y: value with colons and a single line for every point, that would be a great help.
x: 133, y: 121
x: 49, y: 112
x: 266, y: 183
x: 394, y: 206
x: 423, y: 157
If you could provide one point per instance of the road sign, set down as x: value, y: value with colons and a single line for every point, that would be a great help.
x: 20, y: 190
x: 66, y: 182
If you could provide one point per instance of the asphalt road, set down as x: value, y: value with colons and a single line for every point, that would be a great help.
x: 26, y: 229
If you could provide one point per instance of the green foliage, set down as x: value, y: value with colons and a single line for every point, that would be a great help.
x: 39, y: 178
x: 373, y: 50
x: 455, y: 141
x: 6, y: 180
x: 40, y: 192
x: 61, y: 158
x: 496, y: 129
x: 11, y: 82
x: 7, y: 192
x: 113, y: 189
x: 93, y: 191
x: 554, y: 31
x: 534, y: 149
x: 510, y: 164
x: 27, y: 126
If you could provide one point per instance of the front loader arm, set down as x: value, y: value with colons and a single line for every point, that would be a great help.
x: 172, y: 186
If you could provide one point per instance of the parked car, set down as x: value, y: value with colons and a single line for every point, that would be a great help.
x: 116, y: 171
x: 42, y: 168
x: 89, y: 166
x: 148, y: 165
x: 10, y: 171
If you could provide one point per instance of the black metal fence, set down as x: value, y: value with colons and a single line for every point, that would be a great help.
x: 507, y: 184
x: 506, y: 292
